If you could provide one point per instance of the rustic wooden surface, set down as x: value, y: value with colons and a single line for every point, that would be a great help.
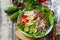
x: 53, y: 34
x: 21, y: 36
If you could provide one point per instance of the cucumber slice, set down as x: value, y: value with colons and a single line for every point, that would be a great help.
x: 31, y: 30
x: 30, y: 23
x: 34, y: 30
x: 26, y: 29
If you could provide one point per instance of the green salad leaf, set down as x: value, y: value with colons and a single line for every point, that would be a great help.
x: 20, y: 14
x: 20, y: 26
x: 34, y: 2
x: 29, y: 7
x: 42, y: 33
x: 41, y: 8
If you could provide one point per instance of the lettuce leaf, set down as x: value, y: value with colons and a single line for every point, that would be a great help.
x: 20, y: 14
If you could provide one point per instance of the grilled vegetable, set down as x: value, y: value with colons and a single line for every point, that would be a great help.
x: 43, y: 18
x: 49, y: 15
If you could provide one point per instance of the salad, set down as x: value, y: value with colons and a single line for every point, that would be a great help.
x: 35, y: 23
x: 34, y: 20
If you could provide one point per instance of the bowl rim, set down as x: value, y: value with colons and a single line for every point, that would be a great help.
x: 47, y: 32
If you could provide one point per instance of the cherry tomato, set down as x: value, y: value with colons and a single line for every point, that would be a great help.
x: 26, y: 20
x: 24, y: 16
x: 35, y: 17
x: 21, y: 21
x: 42, y: 1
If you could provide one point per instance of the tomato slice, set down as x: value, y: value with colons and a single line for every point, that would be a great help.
x: 35, y: 17
x: 21, y: 21
x: 24, y: 16
x: 26, y: 20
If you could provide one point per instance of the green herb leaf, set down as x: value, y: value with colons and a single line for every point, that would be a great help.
x: 33, y: 2
x: 41, y: 8
x: 20, y: 14
x: 29, y: 7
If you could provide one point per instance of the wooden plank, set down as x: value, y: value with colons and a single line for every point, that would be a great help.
x: 21, y: 36
x: 54, y: 33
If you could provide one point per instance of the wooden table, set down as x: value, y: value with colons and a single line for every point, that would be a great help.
x: 54, y: 33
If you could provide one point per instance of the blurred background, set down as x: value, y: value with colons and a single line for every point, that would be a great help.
x: 7, y: 27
